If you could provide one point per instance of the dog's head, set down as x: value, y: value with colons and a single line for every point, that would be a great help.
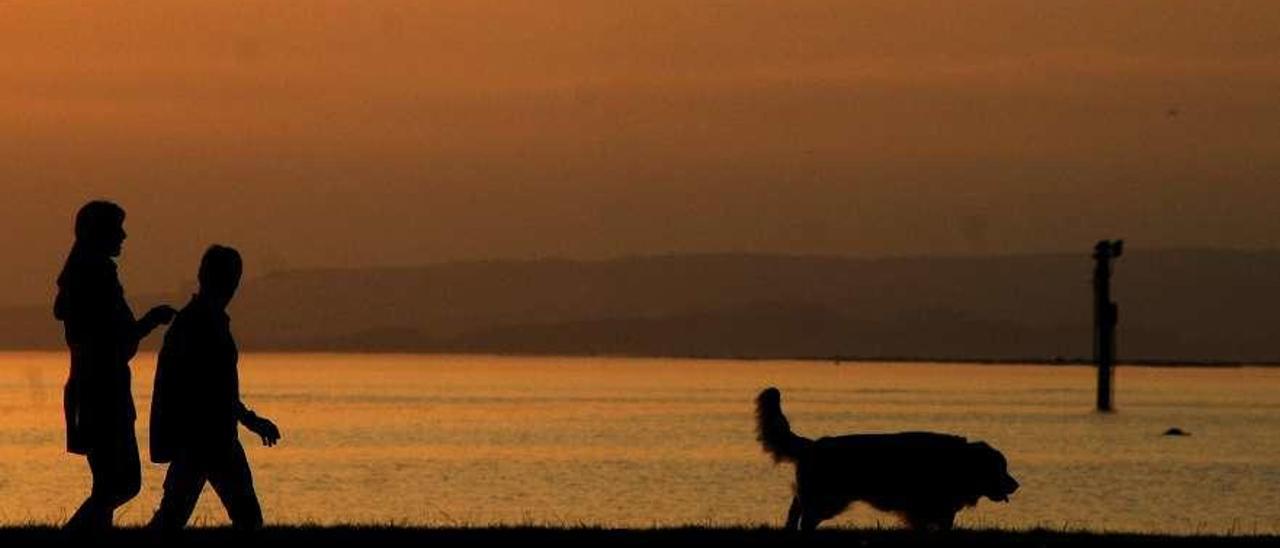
x: 991, y: 472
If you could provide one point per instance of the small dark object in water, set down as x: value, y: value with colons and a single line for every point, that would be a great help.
x: 1175, y: 431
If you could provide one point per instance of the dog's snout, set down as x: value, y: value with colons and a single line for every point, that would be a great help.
x: 1011, y: 484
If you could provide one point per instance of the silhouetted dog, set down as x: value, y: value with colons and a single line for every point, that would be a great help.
x: 922, y: 476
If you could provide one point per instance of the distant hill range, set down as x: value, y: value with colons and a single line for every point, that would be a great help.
x: 1174, y: 305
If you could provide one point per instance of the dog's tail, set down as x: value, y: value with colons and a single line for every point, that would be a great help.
x: 773, y: 430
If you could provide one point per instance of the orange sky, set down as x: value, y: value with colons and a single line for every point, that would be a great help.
x: 368, y: 132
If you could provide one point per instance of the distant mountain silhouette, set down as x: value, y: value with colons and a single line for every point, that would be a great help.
x: 1198, y: 305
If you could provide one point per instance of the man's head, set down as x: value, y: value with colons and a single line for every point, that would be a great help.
x: 220, y: 271
x: 100, y: 228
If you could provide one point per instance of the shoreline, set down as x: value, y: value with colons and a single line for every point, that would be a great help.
x: 572, y: 537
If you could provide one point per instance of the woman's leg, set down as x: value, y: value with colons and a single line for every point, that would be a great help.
x: 117, y: 478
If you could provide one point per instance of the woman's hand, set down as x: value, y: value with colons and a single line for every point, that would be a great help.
x: 160, y: 315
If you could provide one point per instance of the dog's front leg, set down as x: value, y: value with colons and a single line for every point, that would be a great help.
x: 793, y: 515
x: 946, y: 520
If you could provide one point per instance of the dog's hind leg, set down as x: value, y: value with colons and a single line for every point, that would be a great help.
x: 793, y: 515
x: 945, y: 520
x: 809, y: 519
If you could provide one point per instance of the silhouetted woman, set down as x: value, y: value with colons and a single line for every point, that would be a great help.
x: 102, y: 336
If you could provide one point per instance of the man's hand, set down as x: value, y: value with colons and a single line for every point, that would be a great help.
x: 160, y: 315
x: 265, y: 429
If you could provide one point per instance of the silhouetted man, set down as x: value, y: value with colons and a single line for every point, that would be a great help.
x: 102, y: 336
x: 196, y: 405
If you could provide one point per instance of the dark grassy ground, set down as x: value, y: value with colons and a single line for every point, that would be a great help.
x: 281, y: 537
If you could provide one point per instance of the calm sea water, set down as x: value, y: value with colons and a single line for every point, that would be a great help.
x: 448, y: 440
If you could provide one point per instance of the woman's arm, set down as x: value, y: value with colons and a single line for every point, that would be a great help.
x: 160, y: 315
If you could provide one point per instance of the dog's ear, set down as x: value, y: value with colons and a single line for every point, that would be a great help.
x: 974, y: 461
x: 990, y: 472
x: 983, y: 452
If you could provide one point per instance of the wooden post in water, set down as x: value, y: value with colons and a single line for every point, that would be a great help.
x: 1106, y: 314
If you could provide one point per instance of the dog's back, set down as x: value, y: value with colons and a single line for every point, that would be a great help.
x: 879, y: 465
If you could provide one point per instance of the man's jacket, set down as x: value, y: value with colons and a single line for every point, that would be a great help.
x: 195, y: 405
